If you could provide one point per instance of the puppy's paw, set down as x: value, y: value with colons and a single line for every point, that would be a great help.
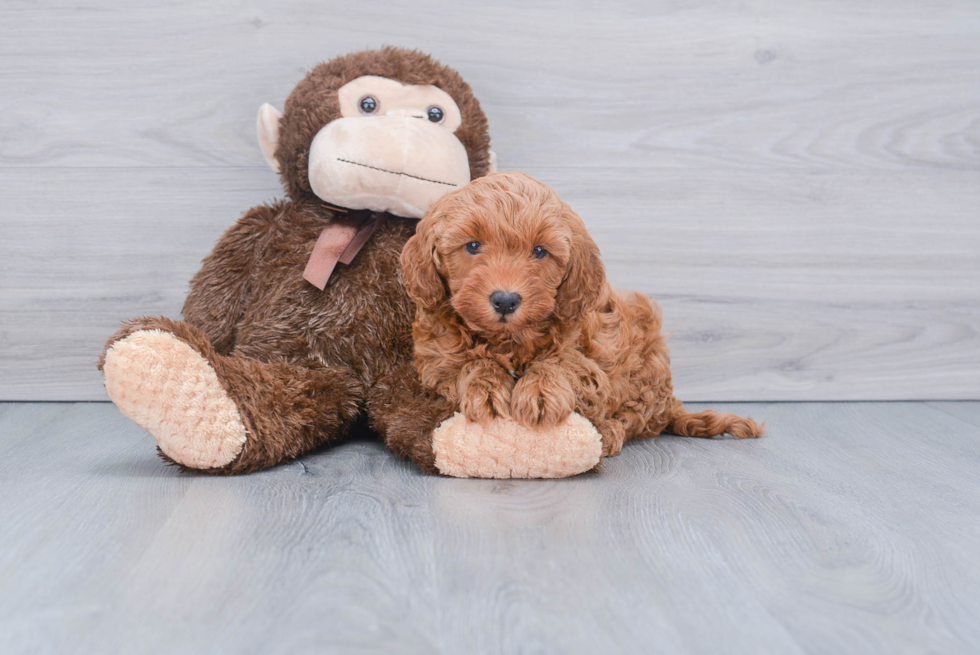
x: 542, y: 397
x: 613, y: 437
x: 483, y: 391
x: 484, y: 400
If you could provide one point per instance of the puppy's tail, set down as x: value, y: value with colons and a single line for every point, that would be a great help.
x: 710, y: 423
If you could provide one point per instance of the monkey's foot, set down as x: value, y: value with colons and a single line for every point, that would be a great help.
x: 506, y: 449
x: 170, y: 390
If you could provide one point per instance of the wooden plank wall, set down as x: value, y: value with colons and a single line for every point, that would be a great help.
x: 797, y: 182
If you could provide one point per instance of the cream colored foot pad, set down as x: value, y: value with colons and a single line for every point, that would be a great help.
x: 505, y: 449
x: 171, y: 391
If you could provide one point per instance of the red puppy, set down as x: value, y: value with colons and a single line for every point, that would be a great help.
x: 515, y: 318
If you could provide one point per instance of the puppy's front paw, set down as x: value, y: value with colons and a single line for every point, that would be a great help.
x: 542, y: 397
x: 483, y: 400
x: 613, y: 437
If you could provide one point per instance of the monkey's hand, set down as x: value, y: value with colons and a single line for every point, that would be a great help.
x: 484, y: 390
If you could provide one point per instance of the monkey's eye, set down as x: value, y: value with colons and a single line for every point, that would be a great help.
x: 539, y: 252
x: 435, y: 114
x: 368, y: 105
x: 473, y: 247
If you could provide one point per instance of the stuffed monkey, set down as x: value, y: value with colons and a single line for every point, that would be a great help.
x: 298, y: 322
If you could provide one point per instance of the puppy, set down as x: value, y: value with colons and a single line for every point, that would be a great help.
x: 515, y: 319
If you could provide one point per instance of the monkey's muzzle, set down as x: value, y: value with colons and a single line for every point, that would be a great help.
x: 396, y: 164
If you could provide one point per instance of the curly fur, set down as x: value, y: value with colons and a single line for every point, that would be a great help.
x: 572, y: 345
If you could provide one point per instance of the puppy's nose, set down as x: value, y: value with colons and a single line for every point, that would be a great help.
x: 505, y: 302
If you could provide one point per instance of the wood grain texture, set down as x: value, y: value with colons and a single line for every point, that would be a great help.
x: 798, y: 184
x: 850, y: 528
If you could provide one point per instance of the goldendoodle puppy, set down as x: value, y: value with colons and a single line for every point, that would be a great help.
x: 515, y: 318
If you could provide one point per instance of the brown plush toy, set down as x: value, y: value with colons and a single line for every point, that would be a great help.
x: 298, y: 322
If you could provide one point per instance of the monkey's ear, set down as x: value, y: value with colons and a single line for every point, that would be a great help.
x: 422, y: 280
x: 492, y: 167
x: 268, y: 131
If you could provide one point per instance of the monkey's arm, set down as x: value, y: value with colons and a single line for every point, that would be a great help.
x: 218, y: 292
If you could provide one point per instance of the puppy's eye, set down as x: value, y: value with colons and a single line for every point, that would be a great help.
x: 368, y: 105
x: 473, y: 247
x: 435, y: 114
x: 539, y: 252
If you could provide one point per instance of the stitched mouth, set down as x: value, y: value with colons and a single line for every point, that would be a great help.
x: 383, y: 170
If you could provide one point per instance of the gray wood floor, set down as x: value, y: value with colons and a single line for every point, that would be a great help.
x: 797, y: 181
x: 852, y: 528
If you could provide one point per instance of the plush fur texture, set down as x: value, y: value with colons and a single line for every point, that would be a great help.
x: 572, y: 345
x: 178, y: 396
x: 300, y: 364
x: 506, y: 449
x: 314, y: 103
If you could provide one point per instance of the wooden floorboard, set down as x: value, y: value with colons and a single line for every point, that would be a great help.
x: 891, y: 307
x: 852, y: 527
x: 816, y: 84
x: 797, y: 182
x: 969, y: 412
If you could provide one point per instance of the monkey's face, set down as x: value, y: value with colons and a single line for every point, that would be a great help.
x: 393, y: 149
x: 379, y: 143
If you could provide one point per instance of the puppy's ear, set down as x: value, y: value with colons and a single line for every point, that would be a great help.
x: 585, y: 278
x: 422, y: 280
